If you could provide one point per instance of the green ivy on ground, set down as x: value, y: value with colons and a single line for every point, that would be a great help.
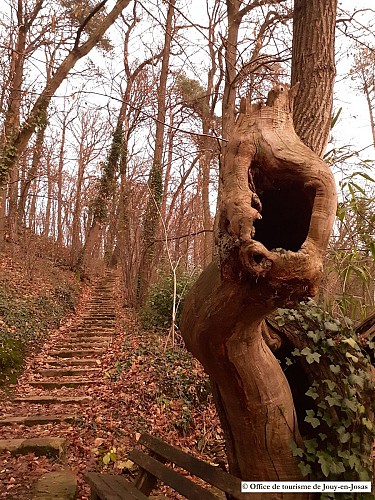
x: 342, y: 434
x: 25, y: 320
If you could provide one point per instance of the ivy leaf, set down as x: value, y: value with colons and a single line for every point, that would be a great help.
x: 333, y: 400
x: 322, y: 436
x: 324, y: 466
x: 315, y: 336
x: 351, y: 342
x: 344, y: 454
x: 331, y: 326
x: 296, y: 352
x: 364, y: 475
x: 354, y: 461
x: 311, y: 445
x: 311, y: 356
x: 297, y: 452
x: 337, y: 468
x: 331, y: 384
x: 356, y: 379
x: 328, y: 420
x: 311, y: 419
x: 280, y: 320
x: 345, y: 437
x: 352, y: 405
x: 312, y: 393
x: 335, y: 369
x: 354, y: 358
x: 106, y: 458
x: 305, y: 469
x: 367, y: 423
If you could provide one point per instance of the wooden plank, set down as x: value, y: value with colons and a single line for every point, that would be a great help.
x: 178, y: 482
x: 110, y: 487
x: 100, y: 487
x: 121, y: 483
x: 209, y: 473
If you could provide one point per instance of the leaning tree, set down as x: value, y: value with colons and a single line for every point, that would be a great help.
x: 277, y: 204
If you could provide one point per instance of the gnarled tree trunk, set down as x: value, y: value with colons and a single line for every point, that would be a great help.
x: 275, y: 217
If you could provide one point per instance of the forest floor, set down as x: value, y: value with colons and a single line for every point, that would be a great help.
x: 138, y: 383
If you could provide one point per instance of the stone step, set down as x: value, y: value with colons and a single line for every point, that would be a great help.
x: 37, y: 420
x: 48, y: 446
x: 98, y: 323
x: 99, y: 312
x: 95, y: 329
x: 97, y: 339
x: 57, y: 384
x: 56, y: 485
x: 72, y: 362
x: 72, y: 353
x: 73, y: 339
x: 98, y: 317
x: 45, y: 400
x: 67, y: 372
x: 82, y: 345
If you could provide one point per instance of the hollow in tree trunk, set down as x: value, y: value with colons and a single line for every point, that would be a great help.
x: 276, y: 213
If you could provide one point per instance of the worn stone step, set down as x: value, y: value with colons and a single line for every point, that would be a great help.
x: 56, y: 486
x: 97, y: 339
x: 57, y: 384
x: 98, y: 317
x: 82, y: 345
x: 99, y: 314
x: 97, y: 329
x: 97, y: 324
x: 45, y: 400
x: 37, y: 420
x: 72, y: 353
x: 74, y: 339
x: 72, y: 362
x: 67, y: 372
x: 48, y: 446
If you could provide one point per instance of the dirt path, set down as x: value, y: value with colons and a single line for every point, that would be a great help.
x: 52, y: 400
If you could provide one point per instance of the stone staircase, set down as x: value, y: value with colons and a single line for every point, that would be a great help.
x: 72, y: 362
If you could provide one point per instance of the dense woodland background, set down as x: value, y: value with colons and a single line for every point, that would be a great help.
x: 123, y: 162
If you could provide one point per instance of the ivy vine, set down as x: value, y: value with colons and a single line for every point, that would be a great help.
x: 342, y: 431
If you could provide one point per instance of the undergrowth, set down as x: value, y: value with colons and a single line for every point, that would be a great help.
x: 25, y: 319
x: 178, y: 379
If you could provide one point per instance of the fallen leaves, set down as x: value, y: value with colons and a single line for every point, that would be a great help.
x: 142, y: 388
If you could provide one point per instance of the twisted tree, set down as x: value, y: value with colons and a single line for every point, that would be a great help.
x: 275, y: 216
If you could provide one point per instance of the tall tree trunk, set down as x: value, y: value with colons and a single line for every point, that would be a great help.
x: 12, y: 118
x: 60, y: 234
x: 46, y: 229
x: 313, y: 66
x: 76, y: 230
x: 155, y: 182
x: 33, y: 171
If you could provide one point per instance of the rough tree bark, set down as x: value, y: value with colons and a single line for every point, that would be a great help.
x: 313, y: 65
x: 275, y: 216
